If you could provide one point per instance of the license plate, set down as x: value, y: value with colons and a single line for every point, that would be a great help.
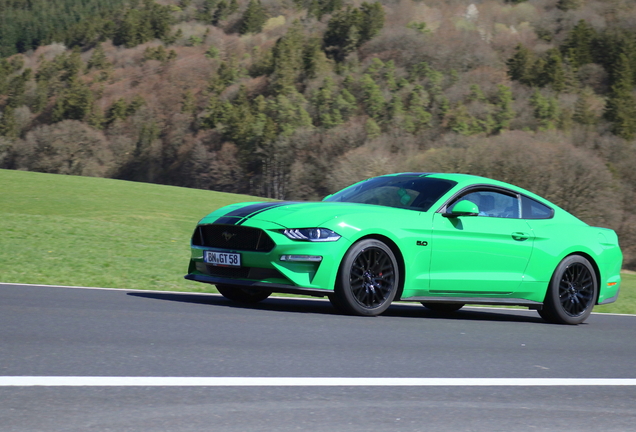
x: 222, y: 259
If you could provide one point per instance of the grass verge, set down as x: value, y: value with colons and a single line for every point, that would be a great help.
x: 84, y: 231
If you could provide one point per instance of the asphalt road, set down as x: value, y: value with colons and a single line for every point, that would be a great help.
x: 64, y: 332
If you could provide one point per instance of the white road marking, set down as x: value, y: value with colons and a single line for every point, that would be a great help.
x: 123, y: 381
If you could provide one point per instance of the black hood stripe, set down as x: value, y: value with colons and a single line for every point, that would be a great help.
x: 240, y: 216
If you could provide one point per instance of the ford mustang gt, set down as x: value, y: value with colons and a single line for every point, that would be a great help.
x: 444, y: 240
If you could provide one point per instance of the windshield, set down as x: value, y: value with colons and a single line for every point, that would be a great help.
x: 409, y: 192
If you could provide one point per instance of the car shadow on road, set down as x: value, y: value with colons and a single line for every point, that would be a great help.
x: 323, y: 307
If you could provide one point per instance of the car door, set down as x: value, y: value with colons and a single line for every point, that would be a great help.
x: 483, y: 254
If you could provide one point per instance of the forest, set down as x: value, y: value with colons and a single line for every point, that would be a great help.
x: 294, y: 99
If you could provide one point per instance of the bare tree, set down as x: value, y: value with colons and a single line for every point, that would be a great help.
x: 68, y: 147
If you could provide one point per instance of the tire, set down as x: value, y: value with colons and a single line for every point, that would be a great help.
x: 572, y: 292
x: 368, y: 279
x: 443, y: 307
x: 243, y: 294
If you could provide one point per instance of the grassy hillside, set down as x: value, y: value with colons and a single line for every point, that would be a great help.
x: 86, y: 231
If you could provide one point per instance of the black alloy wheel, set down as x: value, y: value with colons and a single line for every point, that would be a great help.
x: 572, y: 292
x: 367, y: 280
x: 243, y: 294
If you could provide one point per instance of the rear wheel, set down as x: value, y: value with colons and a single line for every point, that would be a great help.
x: 243, y: 294
x: 443, y: 307
x: 367, y: 280
x: 572, y: 292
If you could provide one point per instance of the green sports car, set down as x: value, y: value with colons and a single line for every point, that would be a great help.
x: 443, y: 240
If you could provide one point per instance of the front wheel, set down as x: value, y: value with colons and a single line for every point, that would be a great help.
x: 368, y: 279
x: 243, y: 294
x: 572, y: 292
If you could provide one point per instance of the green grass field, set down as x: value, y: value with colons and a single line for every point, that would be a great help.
x: 84, y: 231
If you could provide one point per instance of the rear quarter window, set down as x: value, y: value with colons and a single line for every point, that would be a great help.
x: 532, y: 209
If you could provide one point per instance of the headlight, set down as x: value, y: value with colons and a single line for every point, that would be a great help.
x: 312, y: 234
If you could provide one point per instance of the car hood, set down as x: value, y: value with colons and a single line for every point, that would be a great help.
x: 307, y: 214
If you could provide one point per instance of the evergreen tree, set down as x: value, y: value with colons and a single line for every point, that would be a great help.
x: 546, y: 110
x: 221, y: 12
x: 520, y: 65
x: 566, y: 5
x: 372, y: 97
x: 342, y: 34
x: 538, y: 76
x: 351, y: 27
x: 389, y: 75
x: 583, y: 113
x: 345, y: 103
x: 504, y: 113
x: 98, y: 59
x: 621, y: 104
x: 16, y: 88
x: 461, y: 122
x: 41, y: 97
x: 26, y: 25
x: 476, y: 94
x: 143, y: 24
x: 554, y: 72
x: 72, y: 65
x: 579, y: 45
x: 372, y: 15
x: 288, y: 58
x: 289, y: 113
x: 206, y: 13
x: 318, y: 8
x: 434, y: 84
x: 213, y: 113
x: 227, y: 73
x: 188, y: 103
x: 375, y: 67
x: 395, y: 109
x: 117, y: 111
x: 443, y: 106
x: 253, y: 18
x: 417, y: 117
x: 372, y: 128
x: 323, y: 102
x: 236, y: 122
x: 8, y: 126
x: 96, y: 118
x: 315, y: 61
x: 131, y: 31
x: 75, y: 103
x: 134, y: 105
x: 610, y: 46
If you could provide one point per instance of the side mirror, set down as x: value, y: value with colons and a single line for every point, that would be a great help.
x: 463, y: 208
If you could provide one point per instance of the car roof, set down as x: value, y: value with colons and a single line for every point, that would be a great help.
x: 464, y: 180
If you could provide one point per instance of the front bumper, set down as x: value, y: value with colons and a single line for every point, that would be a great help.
x: 281, y: 288
x: 268, y: 270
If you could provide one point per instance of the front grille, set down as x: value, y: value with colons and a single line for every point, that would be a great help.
x: 233, y: 237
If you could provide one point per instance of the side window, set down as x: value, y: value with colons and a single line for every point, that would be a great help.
x: 532, y: 209
x: 493, y: 204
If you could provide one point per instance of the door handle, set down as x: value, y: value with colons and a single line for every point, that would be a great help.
x: 520, y: 236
